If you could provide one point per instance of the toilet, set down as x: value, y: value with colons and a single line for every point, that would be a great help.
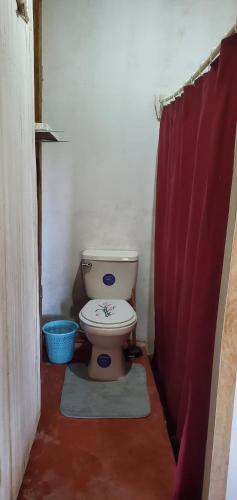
x: 108, y: 319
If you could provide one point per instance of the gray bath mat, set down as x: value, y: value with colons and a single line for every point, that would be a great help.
x: 123, y: 398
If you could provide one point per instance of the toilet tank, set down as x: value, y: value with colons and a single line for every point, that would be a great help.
x: 109, y: 274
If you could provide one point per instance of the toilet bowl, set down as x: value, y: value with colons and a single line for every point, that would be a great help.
x: 107, y: 324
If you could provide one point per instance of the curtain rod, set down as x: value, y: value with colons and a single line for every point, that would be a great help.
x: 162, y: 101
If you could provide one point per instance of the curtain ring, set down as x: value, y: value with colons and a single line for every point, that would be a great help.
x: 161, y: 105
x: 211, y: 58
x: 158, y: 110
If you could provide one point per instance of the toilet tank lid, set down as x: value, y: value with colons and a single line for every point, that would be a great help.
x: 110, y: 255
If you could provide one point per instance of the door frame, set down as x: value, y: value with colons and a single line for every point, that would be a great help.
x: 225, y: 352
x: 38, y: 77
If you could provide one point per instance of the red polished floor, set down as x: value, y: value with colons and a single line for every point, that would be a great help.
x: 98, y: 459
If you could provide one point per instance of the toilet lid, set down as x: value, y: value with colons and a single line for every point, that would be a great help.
x: 107, y: 312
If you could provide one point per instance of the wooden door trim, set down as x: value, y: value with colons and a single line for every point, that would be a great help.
x: 37, y: 12
x: 38, y: 74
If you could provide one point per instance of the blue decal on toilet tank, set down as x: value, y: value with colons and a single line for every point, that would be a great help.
x: 108, y: 279
x: 104, y: 360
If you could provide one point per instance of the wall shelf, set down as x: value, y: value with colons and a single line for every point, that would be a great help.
x: 43, y: 133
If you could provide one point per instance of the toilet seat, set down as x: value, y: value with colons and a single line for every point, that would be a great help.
x: 108, y: 314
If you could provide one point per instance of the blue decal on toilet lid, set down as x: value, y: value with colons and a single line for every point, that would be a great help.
x: 108, y: 279
x: 104, y: 360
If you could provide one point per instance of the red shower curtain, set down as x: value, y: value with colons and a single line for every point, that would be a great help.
x: 195, y: 162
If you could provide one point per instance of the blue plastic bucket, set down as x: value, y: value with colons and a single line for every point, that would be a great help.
x: 60, y: 339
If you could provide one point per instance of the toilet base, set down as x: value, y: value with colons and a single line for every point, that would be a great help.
x: 107, y: 364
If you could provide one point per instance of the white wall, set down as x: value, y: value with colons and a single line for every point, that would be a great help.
x: 19, y: 326
x: 103, y: 61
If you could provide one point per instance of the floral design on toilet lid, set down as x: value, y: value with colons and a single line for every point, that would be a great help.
x: 108, y: 312
x: 105, y: 308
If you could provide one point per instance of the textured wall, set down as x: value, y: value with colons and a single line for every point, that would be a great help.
x: 19, y: 326
x: 103, y: 62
